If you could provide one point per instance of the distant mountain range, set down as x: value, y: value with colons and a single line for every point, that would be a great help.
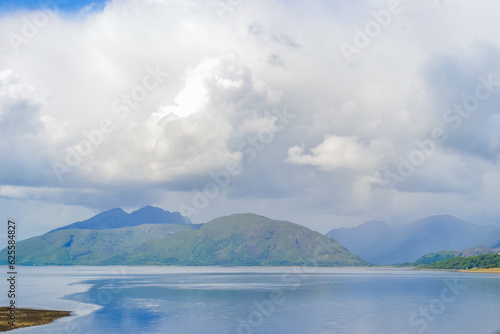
x: 149, y: 237
x: 380, y: 243
x: 117, y: 218
x: 492, y: 240
x: 153, y: 236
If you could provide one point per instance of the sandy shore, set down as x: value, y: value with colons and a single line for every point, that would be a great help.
x: 29, y: 317
x: 490, y: 271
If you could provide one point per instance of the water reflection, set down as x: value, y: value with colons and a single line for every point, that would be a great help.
x: 271, y: 300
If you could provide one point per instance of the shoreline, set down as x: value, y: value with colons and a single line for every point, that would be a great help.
x: 28, y: 317
x: 476, y: 270
x: 58, y: 319
x: 480, y: 270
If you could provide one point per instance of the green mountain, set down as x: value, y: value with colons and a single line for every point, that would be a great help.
x: 244, y: 240
x: 88, y: 247
x: 445, y: 255
x: 435, y: 257
x: 236, y: 240
x: 479, y: 261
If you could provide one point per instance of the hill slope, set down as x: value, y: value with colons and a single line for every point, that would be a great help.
x: 445, y: 255
x: 87, y: 247
x: 246, y: 240
x: 242, y: 239
x: 385, y: 244
x: 479, y: 261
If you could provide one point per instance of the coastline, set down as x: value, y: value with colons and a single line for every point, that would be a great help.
x: 481, y: 270
x: 475, y: 270
x: 44, y: 296
x: 27, y: 317
x: 138, y: 277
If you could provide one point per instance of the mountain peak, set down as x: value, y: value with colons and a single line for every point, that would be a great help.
x: 374, y: 224
x: 243, y: 218
x: 114, y: 211
x: 444, y: 218
x: 407, y: 242
x: 236, y: 240
x: 154, y: 215
x: 117, y: 218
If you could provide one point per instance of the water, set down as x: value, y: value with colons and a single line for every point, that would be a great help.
x: 262, y: 300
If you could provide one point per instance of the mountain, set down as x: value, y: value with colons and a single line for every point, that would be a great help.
x: 380, y: 243
x: 88, y: 246
x: 485, y: 261
x: 241, y: 239
x: 245, y: 240
x: 492, y: 240
x: 117, y: 218
x: 445, y: 255
x: 356, y: 239
x: 436, y: 257
x: 154, y: 215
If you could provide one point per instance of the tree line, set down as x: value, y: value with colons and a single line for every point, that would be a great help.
x: 484, y: 261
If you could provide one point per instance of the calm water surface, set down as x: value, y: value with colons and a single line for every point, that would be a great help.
x: 262, y: 300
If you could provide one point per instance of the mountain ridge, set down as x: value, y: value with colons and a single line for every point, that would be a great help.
x: 408, y: 242
x: 117, y: 218
x: 235, y: 240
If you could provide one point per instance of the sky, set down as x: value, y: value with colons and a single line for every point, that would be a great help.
x: 61, y: 6
x: 324, y: 113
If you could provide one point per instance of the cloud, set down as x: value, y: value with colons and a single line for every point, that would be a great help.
x: 194, y: 135
x: 23, y: 136
x: 19, y: 105
x: 337, y: 152
x: 80, y: 84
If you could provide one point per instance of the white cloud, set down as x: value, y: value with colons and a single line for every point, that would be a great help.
x: 337, y: 152
x: 192, y: 137
x: 19, y: 105
x: 224, y: 78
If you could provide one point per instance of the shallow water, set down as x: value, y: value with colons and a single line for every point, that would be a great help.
x: 262, y: 300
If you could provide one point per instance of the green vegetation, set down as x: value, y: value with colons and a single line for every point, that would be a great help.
x: 245, y: 240
x: 435, y: 257
x: 485, y: 261
x: 236, y: 240
x: 89, y: 247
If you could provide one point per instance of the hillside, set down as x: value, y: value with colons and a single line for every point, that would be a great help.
x: 485, y: 261
x: 244, y: 240
x: 89, y: 247
x: 241, y: 239
x: 436, y: 257
x: 381, y: 243
x: 445, y: 255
